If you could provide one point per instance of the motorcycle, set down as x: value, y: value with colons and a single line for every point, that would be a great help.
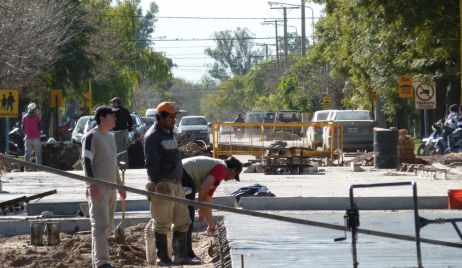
x: 16, y: 141
x: 428, y: 144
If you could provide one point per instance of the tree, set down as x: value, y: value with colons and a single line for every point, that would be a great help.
x: 31, y: 34
x: 235, y: 53
x: 371, y: 43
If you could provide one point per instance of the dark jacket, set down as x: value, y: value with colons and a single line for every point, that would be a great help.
x: 123, y: 120
x: 161, y: 155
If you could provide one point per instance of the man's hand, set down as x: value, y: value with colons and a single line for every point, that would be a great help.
x: 211, y: 229
x: 94, y: 191
x: 161, y: 188
x: 123, y: 194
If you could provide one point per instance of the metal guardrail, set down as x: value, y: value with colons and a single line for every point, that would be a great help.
x: 253, y: 138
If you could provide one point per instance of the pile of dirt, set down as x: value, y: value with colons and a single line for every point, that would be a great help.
x: 446, y: 159
x: 60, y: 155
x: 75, y: 251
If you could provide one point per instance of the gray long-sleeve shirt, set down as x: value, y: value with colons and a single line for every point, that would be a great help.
x: 161, y: 155
x: 99, y: 156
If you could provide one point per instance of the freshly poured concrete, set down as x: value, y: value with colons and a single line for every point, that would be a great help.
x: 269, y: 243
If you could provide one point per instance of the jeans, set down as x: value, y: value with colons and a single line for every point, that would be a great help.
x: 453, y: 137
x: 33, y: 144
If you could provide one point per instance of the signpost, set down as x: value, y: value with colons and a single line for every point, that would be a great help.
x: 56, y: 101
x: 406, y: 86
x: 9, y: 108
x: 425, y: 98
x: 326, y: 102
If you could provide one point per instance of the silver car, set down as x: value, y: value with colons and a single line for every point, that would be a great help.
x: 358, y: 130
x: 314, y: 133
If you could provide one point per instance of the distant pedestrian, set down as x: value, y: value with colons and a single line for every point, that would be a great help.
x: 99, y: 160
x: 123, y: 126
x: 202, y: 174
x: 163, y: 164
x: 4, y: 100
x: 31, y: 129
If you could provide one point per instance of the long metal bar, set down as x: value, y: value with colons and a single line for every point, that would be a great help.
x: 197, y: 204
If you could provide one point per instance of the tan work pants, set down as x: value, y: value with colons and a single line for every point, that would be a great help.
x: 102, y: 211
x: 166, y: 212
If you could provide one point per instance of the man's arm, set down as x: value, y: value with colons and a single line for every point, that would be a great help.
x: 152, y: 158
x: 129, y: 121
x: 204, y: 196
x: 88, y: 152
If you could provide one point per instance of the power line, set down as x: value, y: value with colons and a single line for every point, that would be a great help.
x: 204, y: 18
x: 200, y: 39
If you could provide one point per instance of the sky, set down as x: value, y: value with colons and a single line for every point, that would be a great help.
x: 173, y: 32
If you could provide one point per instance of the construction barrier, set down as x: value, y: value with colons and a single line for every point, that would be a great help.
x: 254, y: 138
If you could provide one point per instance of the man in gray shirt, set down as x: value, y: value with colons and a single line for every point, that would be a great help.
x: 99, y: 160
x: 165, y: 170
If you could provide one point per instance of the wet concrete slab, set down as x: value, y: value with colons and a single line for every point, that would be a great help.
x: 269, y: 243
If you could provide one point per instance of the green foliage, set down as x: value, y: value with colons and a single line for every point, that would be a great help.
x: 234, y: 54
x: 371, y: 43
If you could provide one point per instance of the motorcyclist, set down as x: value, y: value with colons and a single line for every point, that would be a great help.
x: 451, y: 120
x: 239, y: 130
x: 457, y: 133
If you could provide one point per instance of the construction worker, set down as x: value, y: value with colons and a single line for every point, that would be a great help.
x: 99, y: 160
x: 165, y: 170
x: 203, y: 174
x: 123, y: 126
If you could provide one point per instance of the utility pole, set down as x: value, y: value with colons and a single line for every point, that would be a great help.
x: 302, y: 43
x: 277, y: 42
x: 286, y: 44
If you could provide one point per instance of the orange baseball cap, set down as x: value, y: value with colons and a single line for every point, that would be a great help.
x: 166, y: 106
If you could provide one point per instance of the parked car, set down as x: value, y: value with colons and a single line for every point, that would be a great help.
x: 288, y: 117
x: 195, y: 126
x: 138, y: 129
x: 254, y: 117
x: 79, y: 128
x: 226, y: 130
x: 314, y: 133
x: 358, y: 130
x: 148, y: 121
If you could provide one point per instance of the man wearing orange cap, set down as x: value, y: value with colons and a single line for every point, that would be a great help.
x: 165, y: 171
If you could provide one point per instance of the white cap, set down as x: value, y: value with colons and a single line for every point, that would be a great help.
x: 31, y: 107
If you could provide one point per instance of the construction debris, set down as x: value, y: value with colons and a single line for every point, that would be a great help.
x: 75, y: 251
x: 60, y: 155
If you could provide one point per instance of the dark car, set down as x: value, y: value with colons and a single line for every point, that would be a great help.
x: 358, y: 130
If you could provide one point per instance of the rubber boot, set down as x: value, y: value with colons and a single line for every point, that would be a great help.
x: 162, y: 251
x: 180, y: 249
x: 189, y: 250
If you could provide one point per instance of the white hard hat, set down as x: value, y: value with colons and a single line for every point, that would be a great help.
x: 31, y: 107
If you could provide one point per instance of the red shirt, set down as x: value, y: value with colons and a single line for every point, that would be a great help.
x: 31, y: 126
x: 219, y: 172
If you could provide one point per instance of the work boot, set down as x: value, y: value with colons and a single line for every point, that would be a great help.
x: 189, y: 250
x: 162, y: 250
x: 180, y: 249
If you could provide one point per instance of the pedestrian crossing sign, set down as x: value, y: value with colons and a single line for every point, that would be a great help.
x: 10, y: 102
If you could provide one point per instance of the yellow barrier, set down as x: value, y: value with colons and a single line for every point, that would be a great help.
x: 254, y: 138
